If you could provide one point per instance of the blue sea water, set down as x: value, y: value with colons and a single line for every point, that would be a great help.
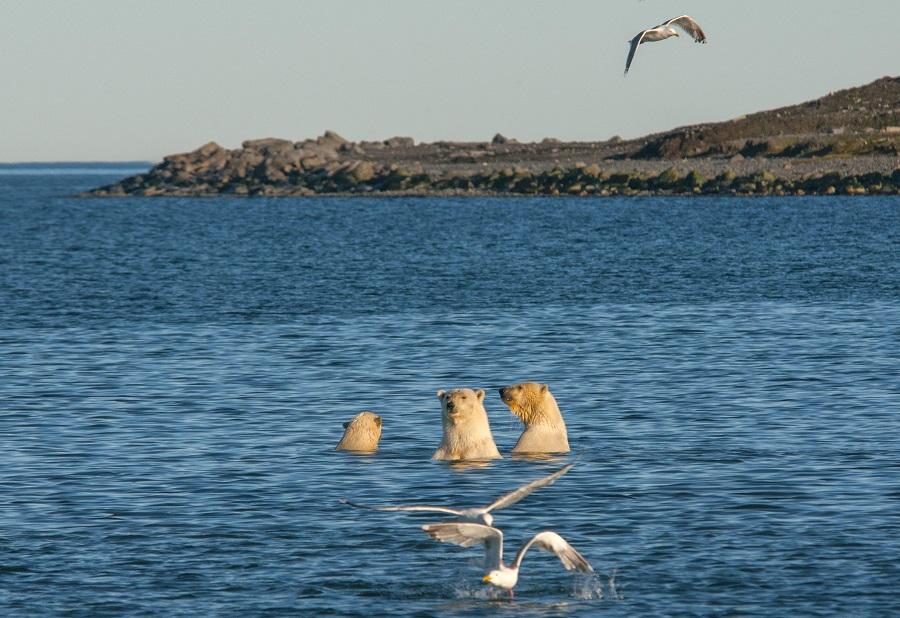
x: 174, y: 375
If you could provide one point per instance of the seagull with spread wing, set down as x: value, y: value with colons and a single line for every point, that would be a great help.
x: 497, y: 573
x: 480, y: 514
x: 664, y: 31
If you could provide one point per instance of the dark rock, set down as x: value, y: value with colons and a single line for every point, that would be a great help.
x: 668, y: 179
x: 400, y: 142
x: 694, y: 180
x: 500, y: 140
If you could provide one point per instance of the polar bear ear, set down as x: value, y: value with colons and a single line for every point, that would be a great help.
x: 480, y: 394
x: 544, y: 388
x: 441, y: 394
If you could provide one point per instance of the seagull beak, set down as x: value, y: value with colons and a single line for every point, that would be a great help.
x: 486, y: 578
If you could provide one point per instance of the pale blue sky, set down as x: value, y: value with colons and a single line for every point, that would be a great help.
x: 138, y: 79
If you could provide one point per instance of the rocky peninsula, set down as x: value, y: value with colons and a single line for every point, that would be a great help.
x: 847, y: 143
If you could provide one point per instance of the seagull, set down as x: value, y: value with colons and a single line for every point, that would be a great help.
x: 664, y: 31
x: 497, y: 573
x: 481, y: 515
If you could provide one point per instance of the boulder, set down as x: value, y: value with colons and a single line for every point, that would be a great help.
x: 331, y: 140
x: 668, y: 178
x: 694, y: 180
x: 351, y: 148
x: 400, y: 142
x: 312, y: 162
x: 268, y: 145
x: 209, y: 149
x: 356, y: 172
x: 500, y: 140
x: 593, y: 170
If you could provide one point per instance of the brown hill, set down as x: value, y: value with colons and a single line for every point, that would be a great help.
x: 863, y: 120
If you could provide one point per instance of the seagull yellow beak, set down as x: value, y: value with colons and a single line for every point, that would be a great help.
x: 486, y: 578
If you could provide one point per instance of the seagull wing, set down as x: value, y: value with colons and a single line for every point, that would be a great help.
x: 467, y: 535
x: 555, y: 544
x: 687, y: 23
x: 410, y: 507
x: 637, y: 40
x: 514, y: 496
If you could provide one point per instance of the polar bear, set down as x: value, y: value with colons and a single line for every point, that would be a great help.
x: 545, y: 430
x: 467, y: 433
x: 361, y: 434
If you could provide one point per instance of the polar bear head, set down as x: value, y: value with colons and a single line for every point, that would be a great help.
x: 361, y: 434
x: 462, y: 407
x: 531, y: 402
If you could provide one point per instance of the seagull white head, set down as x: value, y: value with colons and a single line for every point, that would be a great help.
x: 502, y: 578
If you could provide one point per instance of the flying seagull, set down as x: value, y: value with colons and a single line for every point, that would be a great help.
x: 475, y: 514
x: 664, y: 31
x: 497, y: 573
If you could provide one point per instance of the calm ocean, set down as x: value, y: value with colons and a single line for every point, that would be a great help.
x: 174, y: 375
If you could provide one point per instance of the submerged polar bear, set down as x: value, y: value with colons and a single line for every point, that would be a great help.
x: 545, y: 430
x: 361, y: 434
x: 467, y: 433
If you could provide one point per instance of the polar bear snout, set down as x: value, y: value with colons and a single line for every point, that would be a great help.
x: 454, y: 412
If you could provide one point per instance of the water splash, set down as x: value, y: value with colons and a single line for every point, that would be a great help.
x: 587, y: 587
x: 483, y: 593
x: 615, y: 591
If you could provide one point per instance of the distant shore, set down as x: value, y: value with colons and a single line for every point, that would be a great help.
x: 847, y: 143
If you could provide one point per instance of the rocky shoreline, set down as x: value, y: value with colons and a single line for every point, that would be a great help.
x: 847, y: 143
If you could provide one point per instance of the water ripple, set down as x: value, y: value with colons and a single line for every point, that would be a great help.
x: 175, y: 375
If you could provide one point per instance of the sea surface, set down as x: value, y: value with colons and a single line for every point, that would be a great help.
x: 174, y: 374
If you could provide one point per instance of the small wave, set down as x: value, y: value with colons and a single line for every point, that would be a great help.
x: 485, y: 593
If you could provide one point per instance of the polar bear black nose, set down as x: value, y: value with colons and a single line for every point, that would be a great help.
x: 450, y: 405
